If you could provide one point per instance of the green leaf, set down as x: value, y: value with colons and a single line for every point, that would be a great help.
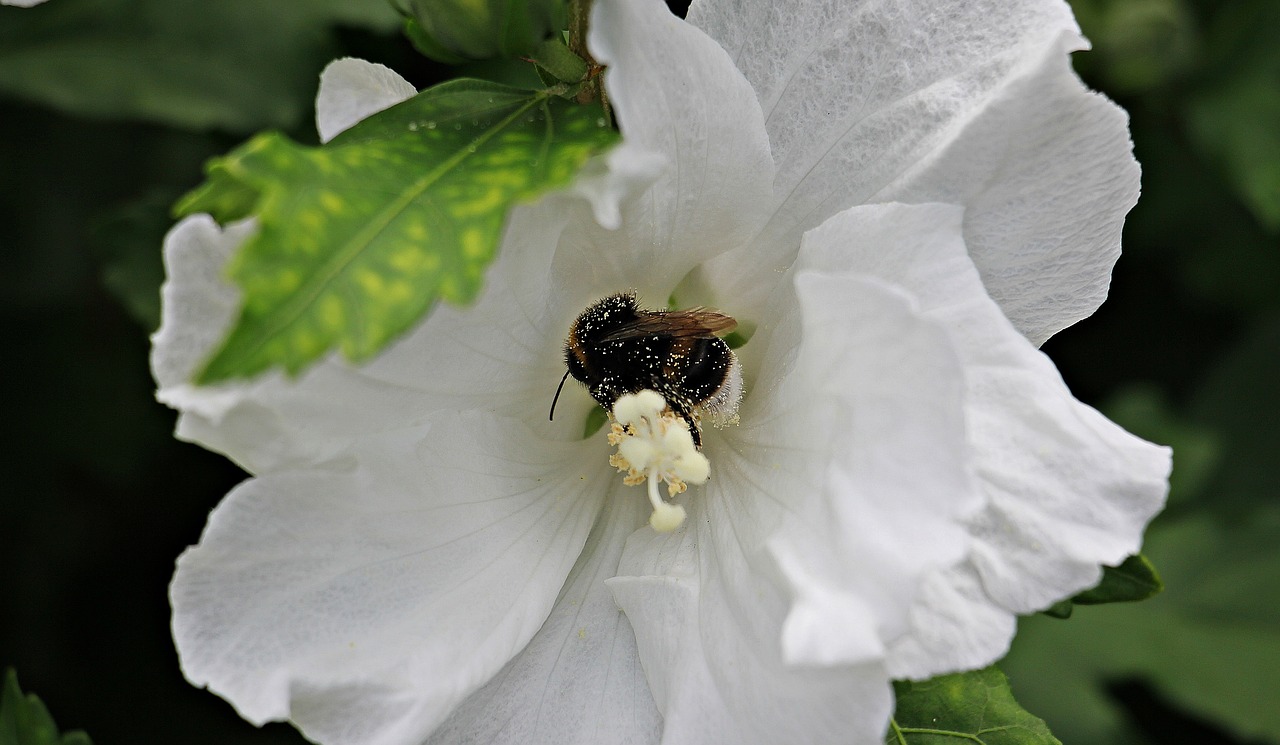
x: 24, y: 720
x: 1135, y: 579
x: 596, y: 419
x: 235, y: 64
x: 224, y: 195
x: 1208, y: 644
x: 553, y: 56
x: 1060, y: 610
x: 358, y: 238
x: 975, y: 707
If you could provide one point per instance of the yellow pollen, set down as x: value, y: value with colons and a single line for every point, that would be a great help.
x: 655, y: 445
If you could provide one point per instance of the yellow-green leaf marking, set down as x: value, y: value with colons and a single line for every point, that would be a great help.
x: 358, y: 238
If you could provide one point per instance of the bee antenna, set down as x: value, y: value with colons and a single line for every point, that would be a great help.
x: 552, y: 416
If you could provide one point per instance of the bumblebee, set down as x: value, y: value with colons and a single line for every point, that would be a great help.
x: 616, y: 347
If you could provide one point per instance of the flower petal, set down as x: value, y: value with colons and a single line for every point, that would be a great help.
x: 352, y: 89
x: 366, y: 597
x: 199, y: 304
x: 966, y: 102
x: 269, y: 421
x: 501, y: 354
x: 676, y: 94
x: 1046, y: 173
x: 767, y: 618
x: 579, y: 681
x: 881, y: 503
x: 1066, y: 489
x: 707, y: 614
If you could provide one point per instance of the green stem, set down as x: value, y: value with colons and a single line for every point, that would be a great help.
x: 579, y: 22
x: 579, y: 19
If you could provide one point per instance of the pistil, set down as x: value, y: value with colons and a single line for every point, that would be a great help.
x: 654, y: 444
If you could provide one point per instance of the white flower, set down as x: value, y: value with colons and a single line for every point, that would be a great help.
x: 902, y: 199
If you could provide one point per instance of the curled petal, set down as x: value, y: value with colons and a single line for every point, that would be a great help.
x: 1046, y: 173
x: 972, y: 103
x: 864, y: 444
x: 707, y: 612
x: 677, y: 94
x: 766, y: 619
x: 1065, y: 489
x: 365, y: 598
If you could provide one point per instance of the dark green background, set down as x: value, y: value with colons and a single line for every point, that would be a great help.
x: 108, y: 108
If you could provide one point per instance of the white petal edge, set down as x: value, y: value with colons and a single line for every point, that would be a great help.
x: 676, y: 94
x: 766, y: 618
x: 353, y: 89
x: 875, y: 394
x: 965, y: 102
x: 1046, y: 173
x: 365, y: 598
x: 1066, y: 490
x: 579, y: 681
x: 707, y: 618
x: 503, y: 352
x: 197, y: 301
x: 606, y: 181
x: 269, y: 421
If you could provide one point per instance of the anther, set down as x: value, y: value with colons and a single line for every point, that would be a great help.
x: 654, y: 444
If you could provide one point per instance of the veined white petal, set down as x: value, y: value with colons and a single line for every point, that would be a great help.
x: 1066, y: 490
x: 365, y: 598
x: 676, y: 93
x: 352, y: 89
x: 1047, y: 175
x: 707, y: 611
x: 955, y: 101
x: 579, y: 682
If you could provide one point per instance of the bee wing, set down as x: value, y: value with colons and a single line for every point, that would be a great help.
x: 694, y: 323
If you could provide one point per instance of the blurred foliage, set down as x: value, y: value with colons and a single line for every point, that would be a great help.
x: 454, y: 31
x: 1209, y: 644
x: 108, y: 108
x: 26, y: 721
x: 1197, y: 294
x: 234, y: 64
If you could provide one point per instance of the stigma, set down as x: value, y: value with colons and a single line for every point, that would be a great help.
x: 654, y: 444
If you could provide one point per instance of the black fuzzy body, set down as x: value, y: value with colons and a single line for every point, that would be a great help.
x: 615, y: 347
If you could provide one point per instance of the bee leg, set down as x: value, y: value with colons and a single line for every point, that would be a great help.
x: 685, y: 412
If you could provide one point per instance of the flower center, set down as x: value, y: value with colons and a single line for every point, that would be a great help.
x: 654, y: 444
